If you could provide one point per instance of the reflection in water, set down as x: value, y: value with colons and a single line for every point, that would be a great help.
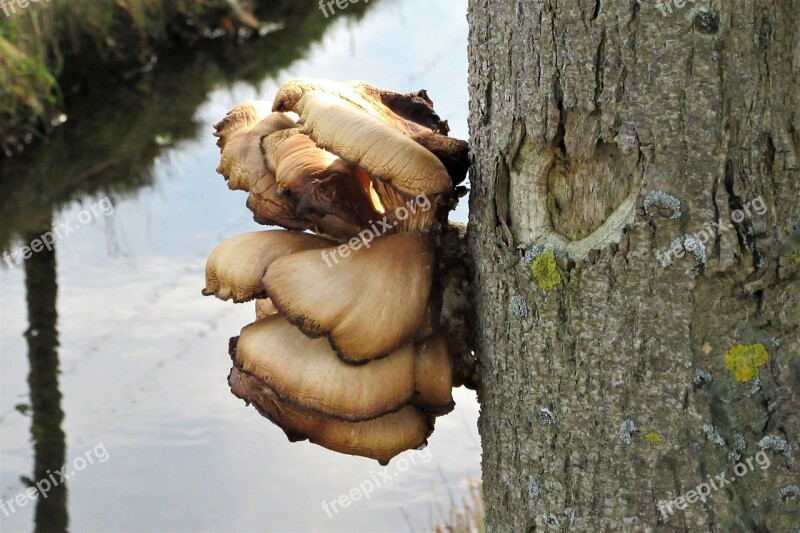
x: 109, y: 147
x: 48, y: 438
x: 114, y: 134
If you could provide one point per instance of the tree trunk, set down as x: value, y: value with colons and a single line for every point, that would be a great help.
x: 617, y: 376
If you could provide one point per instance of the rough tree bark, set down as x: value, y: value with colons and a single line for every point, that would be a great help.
x: 604, y: 130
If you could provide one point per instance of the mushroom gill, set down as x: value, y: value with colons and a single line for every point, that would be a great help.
x: 351, y: 348
x: 368, y: 301
x: 318, y: 181
x: 381, y: 438
x: 307, y: 374
x: 235, y: 267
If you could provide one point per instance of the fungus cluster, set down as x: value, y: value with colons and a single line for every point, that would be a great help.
x: 350, y: 348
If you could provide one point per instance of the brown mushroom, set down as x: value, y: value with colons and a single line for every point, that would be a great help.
x: 348, y: 350
x: 381, y: 438
x: 318, y: 181
x: 243, y: 166
x: 270, y: 209
x: 307, y: 374
x: 433, y: 377
x: 235, y: 267
x: 416, y: 107
x: 242, y: 163
x: 265, y: 308
x: 244, y: 115
x: 409, y: 114
x: 367, y: 300
x: 453, y: 153
x: 375, y: 146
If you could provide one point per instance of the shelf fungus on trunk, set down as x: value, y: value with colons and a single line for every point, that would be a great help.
x: 319, y: 182
x: 235, y: 267
x: 242, y: 163
x: 380, y: 438
x: 367, y: 304
x: 351, y: 347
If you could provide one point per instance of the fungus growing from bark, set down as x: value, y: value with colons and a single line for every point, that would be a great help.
x: 433, y: 377
x: 396, y: 139
x: 243, y: 116
x: 384, y: 152
x: 319, y: 182
x: 368, y: 302
x: 235, y: 267
x: 380, y: 438
x: 351, y: 349
x: 307, y: 373
x: 242, y: 163
x: 264, y: 308
x: 410, y: 113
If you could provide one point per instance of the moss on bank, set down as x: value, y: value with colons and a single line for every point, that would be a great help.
x: 70, y: 41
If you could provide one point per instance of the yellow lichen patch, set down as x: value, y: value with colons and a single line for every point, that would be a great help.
x: 796, y: 257
x: 545, y: 271
x: 744, y: 361
x: 654, y: 438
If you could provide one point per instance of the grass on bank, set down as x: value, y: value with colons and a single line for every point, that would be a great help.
x: 466, y: 517
x: 44, y: 41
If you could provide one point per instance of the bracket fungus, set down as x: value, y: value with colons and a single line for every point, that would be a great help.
x: 236, y: 266
x: 351, y: 348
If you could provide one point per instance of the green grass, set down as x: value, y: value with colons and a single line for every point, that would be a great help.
x: 47, y: 41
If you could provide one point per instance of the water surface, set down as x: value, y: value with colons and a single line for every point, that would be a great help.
x: 107, y: 342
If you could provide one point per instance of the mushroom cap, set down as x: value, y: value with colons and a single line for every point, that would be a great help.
x: 368, y: 302
x: 372, y: 144
x: 321, y: 183
x: 264, y: 308
x: 307, y: 374
x: 407, y: 113
x: 433, y: 377
x: 325, y: 206
x: 242, y: 163
x: 385, y: 153
x: 235, y: 267
x: 381, y: 438
x: 415, y: 107
x: 244, y: 115
x: 453, y: 153
x: 410, y: 113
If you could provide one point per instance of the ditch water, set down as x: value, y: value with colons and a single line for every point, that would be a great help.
x: 115, y: 366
